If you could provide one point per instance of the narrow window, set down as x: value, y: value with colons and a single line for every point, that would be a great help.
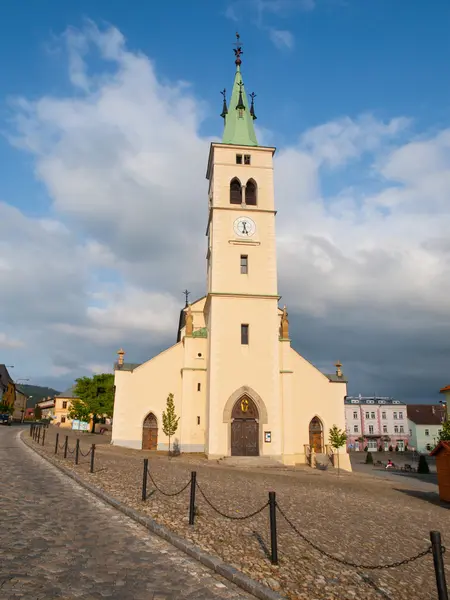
x: 400, y: 415
x: 395, y: 415
x: 401, y: 429
x: 367, y: 415
x: 384, y: 428
x: 250, y: 193
x: 239, y: 159
x: 235, y: 192
x: 355, y: 429
x: 247, y: 159
x: 64, y: 404
x: 199, y: 387
x: 370, y: 428
x: 395, y: 428
x: 372, y: 415
x: 355, y: 414
x: 244, y: 335
x: 198, y: 420
x: 63, y: 419
x: 383, y: 415
x: 244, y: 264
x: 427, y: 432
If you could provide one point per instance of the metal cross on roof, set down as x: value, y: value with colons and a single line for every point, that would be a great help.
x: 187, y: 294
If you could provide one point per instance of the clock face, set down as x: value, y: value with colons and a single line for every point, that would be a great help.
x: 244, y: 227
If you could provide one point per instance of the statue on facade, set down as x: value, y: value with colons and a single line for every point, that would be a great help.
x: 284, y: 328
x: 189, y: 321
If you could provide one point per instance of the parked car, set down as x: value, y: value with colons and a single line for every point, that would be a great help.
x: 5, y: 419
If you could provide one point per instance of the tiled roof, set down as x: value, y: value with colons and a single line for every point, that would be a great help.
x: 68, y: 393
x: 335, y: 378
x: 425, y: 414
x: 5, y: 377
x: 127, y: 366
x: 371, y: 400
x: 441, y: 446
x: 445, y: 389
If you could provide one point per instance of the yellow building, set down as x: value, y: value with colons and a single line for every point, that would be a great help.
x: 239, y: 387
x: 20, y: 404
x: 62, y: 408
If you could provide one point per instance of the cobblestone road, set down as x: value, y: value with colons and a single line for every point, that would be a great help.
x: 58, y: 541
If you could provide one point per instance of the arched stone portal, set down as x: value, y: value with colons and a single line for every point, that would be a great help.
x: 244, y: 428
x: 316, y: 435
x: 150, y: 433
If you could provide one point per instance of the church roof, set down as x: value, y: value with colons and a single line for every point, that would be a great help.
x: 127, y: 366
x: 335, y: 378
x: 239, y: 116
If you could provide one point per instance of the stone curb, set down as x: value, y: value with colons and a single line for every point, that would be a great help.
x: 209, y: 560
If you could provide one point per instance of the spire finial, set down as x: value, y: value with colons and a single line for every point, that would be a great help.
x: 187, y: 294
x: 224, y: 107
x: 238, y: 50
x: 252, y: 106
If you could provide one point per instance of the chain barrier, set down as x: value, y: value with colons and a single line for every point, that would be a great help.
x: 82, y: 453
x: 166, y: 493
x: 349, y: 563
x: 232, y: 517
x: 70, y: 451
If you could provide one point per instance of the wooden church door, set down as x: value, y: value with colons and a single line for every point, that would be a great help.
x: 150, y: 433
x: 245, y: 428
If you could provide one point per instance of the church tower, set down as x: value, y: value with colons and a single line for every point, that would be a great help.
x: 241, y: 309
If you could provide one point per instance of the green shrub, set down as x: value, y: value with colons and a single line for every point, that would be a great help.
x: 423, y: 465
x: 390, y: 448
x: 365, y: 448
x: 369, y: 458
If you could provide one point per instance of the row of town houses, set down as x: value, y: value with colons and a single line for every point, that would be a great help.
x: 375, y: 423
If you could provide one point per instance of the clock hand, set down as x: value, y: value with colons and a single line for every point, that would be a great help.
x: 244, y: 227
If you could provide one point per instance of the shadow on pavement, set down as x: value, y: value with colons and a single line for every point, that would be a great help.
x: 431, y: 497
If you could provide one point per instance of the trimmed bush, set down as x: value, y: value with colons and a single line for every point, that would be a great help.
x: 365, y: 448
x: 423, y: 465
x: 391, y: 448
x: 369, y: 458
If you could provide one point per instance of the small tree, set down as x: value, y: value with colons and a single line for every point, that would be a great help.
x: 97, y: 395
x: 170, y: 419
x: 79, y: 410
x: 337, y: 439
x: 6, y: 408
x: 423, y: 465
x: 444, y: 436
x: 369, y: 458
x: 37, y: 413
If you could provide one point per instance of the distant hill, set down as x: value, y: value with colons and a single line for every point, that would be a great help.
x: 37, y: 392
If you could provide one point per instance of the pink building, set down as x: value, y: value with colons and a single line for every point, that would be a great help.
x: 375, y: 423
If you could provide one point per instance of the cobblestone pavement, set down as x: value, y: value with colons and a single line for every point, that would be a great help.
x: 355, y: 516
x: 58, y: 541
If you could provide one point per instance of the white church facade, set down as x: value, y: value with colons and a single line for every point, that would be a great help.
x: 239, y: 387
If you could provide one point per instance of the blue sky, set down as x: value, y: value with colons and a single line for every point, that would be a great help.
x: 356, y: 97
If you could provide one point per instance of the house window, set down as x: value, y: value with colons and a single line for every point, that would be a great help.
x: 250, y: 192
x: 370, y: 428
x: 384, y: 428
x: 355, y: 414
x: 355, y: 428
x: 199, y: 387
x: 372, y: 445
x: 198, y: 420
x: 400, y: 415
x: 244, y: 264
x: 410, y: 432
x: 239, y: 159
x: 64, y: 404
x: 383, y: 415
x: 395, y: 428
x: 247, y: 159
x: 367, y: 415
x: 401, y: 429
x: 427, y: 432
x: 401, y: 445
x: 235, y: 191
x: 244, y: 335
x: 395, y: 415
x: 63, y: 419
x: 428, y: 447
x: 372, y: 415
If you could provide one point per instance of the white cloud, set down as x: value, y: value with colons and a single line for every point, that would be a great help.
x: 282, y: 38
x: 9, y: 342
x: 124, y: 165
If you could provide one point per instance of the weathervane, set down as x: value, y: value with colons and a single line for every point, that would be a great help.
x: 238, y: 50
x: 186, y: 293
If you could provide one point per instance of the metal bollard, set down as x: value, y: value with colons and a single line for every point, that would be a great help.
x: 43, y: 436
x: 273, y: 528
x: 438, y: 560
x: 92, y: 458
x: 144, y: 480
x: 39, y: 434
x: 77, y: 451
x: 56, y: 443
x: 66, y: 445
x: 192, y: 498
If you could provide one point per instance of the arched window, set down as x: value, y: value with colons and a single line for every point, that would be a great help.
x: 235, y: 191
x: 250, y: 192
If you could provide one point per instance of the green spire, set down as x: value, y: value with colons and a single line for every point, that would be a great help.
x: 239, y: 118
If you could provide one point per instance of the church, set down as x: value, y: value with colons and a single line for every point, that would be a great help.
x: 239, y: 387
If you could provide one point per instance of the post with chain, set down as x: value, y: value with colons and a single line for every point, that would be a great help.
x: 92, y: 458
x: 31, y: 430
x: 43, y: 436
x: 66, y: 446
x: 144, y: 480
x: 56, y: 443
x: 192, y: 499
x: 39, y: 434
x: 77, y: 450
x: 273, y: 528
x: 438, y: 551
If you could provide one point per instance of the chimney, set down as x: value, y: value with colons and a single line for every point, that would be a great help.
x: 338, y: 366
x: 121, y: 354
